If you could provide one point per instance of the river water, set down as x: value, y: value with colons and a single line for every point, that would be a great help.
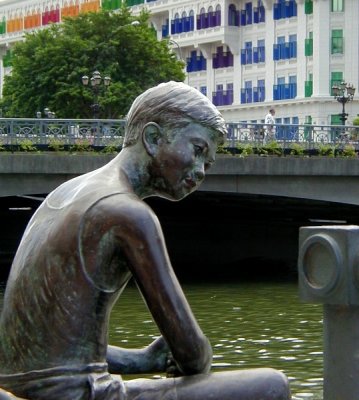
x: 250, y: 325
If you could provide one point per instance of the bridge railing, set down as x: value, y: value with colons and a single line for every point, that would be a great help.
x: 98, y: 132
x: 103, y: 132
x: 310, y: 136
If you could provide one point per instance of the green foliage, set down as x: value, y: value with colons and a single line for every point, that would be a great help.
x: 221, y: 149
x: 110, y: 149
x: 27, y: 145
x: 49, y: 64
x: 297, y: 149
x: 245, y: 150
x: 348, y: 151
x: 56, y: 145
x: 113, y: 147
x: 272, y: 148
x: 326, y: 150
x: 356, y: 121
x: 80, y: 146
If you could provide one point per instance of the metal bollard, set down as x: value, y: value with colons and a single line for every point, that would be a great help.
x: 328, y: 268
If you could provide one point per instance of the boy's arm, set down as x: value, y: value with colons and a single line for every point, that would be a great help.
x: 139, y: 235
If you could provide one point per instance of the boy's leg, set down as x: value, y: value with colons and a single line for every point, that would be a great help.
x: 252, y: 384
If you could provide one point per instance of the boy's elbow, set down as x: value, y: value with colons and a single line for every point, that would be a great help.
x: 202, y: 360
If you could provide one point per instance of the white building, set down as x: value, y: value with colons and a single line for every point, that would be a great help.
x: 246, y: 56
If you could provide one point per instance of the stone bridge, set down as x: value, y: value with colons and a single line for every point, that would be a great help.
x: 314, y: 178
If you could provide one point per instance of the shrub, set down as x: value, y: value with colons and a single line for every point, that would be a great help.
x: 27, y: 145
x: 348, y: 151
x: 56, y: 145
x: 81, y: 146
x: 245, y: 150
x: 297, y: 149
x: 272, y: 148
x: 326, y: 150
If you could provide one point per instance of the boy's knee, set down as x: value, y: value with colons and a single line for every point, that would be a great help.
x: 276, y: 384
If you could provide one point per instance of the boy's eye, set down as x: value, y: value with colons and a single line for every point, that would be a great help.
x: 198, y: 150
x: 207, y: 166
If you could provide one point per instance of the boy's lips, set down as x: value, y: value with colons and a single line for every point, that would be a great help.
x: 190, y: 182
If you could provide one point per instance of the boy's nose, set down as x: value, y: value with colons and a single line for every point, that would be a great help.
x: 199, y: 172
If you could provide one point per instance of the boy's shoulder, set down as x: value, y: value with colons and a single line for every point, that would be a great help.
x: 121, y: 207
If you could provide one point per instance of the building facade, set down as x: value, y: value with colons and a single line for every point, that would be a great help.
x: 246, y: 56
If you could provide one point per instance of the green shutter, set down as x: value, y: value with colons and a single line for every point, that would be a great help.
x: 3, y: 26
x: 308, y: 88
x: 308, y: 48
x: 308, y: 7
x: 335, y: 119
x: 7, y: 59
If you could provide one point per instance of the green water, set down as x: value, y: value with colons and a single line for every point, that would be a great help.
x: 249, y: 325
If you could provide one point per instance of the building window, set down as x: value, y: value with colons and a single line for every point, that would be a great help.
x: 203, y: 90
x: 165, y: 29
x: 259, y: 13
x: 337, y: 41
x: 283, y: 50
x: 308, y: 6
x: 259, y: 52
x: 202, y: 19
x: 284, y: 9
x: 336, y: 79
x: 222, y: 59
x: 223, y: 97
x: 196, y: 62
x: 308, y: 49
x: 259, y: 91
x: 248, y: 10
x: 292, y: 46
x: 337, y: 5
x: 282, y: 90
x: 233, y: 15
x: 246, y: 54
x: 246, y: 93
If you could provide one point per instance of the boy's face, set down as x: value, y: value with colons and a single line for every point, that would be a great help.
x: 180, y: 164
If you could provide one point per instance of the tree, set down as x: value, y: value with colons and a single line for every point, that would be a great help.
x: 49, y: 64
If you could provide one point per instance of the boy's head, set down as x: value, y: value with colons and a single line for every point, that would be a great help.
x: 172, y: 105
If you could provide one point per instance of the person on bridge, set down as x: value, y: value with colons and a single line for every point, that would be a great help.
x: 269, y: 121
x: 80, y: 249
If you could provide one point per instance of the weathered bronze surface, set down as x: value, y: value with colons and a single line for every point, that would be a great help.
x: 80, y: 249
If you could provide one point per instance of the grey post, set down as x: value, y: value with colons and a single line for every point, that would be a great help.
x: 328, y: 267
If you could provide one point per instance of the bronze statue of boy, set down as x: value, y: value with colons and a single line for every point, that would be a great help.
x: 80, y: 249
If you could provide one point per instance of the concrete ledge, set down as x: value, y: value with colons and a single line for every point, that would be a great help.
x: 62, y: 163
x: 290, y: 165
x: 316, y: 178
x: 51, y: 163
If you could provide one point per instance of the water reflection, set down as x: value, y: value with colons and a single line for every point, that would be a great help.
x: 249, y: 325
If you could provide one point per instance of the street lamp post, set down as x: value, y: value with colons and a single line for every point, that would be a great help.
x: 96, y: 85
x: 343, y: 93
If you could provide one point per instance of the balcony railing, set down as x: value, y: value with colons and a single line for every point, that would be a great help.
x: 104, y: 132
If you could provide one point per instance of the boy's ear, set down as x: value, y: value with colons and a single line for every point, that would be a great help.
x: 151, y: 137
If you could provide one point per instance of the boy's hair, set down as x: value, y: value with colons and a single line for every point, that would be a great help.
x: 171, y: 105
